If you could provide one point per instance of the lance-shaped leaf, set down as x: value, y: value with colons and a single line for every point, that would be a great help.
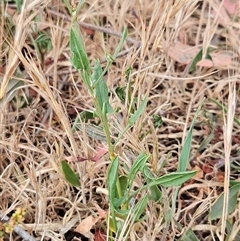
x: 70, y: 175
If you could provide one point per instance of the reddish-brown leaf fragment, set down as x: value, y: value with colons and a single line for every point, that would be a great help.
x: 86, y: 225
x: 100, y: 235
x: 207, y: 169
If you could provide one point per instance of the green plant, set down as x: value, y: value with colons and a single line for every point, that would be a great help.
x: 125, y: 203
x: 198, y: 58
x: 217, y: 208
x: 42, y: 44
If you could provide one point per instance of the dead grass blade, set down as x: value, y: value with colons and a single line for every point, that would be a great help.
x: 228, y: 129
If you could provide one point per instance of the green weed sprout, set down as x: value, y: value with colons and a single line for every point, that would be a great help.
x: 122, y: 198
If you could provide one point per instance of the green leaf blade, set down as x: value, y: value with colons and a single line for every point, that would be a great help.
x: 189, y: 236
x: 112, y: 186
x: 173, y: 179
x: 119, y: 47
x: 134, y: 117
x: 100, y: 88
x: 69, y: 174
x: 138, y: 165
x: 139, y: 208
x: 217, y: 208
x: 79, y: 57
x: 185, y: 153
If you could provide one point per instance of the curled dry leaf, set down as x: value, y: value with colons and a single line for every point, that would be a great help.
x: 86, y: 225
x: 185, y: 54
x: 229, y: 9
x: 101, y: 151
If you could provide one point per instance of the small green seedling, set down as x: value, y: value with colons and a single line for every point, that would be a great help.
x: 126, y: 201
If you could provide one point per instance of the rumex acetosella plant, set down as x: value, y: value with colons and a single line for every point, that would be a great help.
x: 122, y: 199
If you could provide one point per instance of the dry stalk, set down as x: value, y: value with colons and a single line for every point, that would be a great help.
x: 228, y: 129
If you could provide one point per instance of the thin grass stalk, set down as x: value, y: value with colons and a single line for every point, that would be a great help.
x: 228, y: 128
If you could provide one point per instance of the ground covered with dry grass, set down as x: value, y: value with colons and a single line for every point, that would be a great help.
x: 42, y: 94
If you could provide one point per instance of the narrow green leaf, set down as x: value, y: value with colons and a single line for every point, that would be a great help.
x: 134, y: 117
x: 168, y: 180
x: 208, y: 56
x: 155, y: 192
x: 119, y: 47
x: 173, y: 179
x: 123, y: 180
x: 216, y: 211
x: 139, y: 208
x: 185, y: 153
x: 97, y: 73
x: 111, y: 182
x: 68, y: 6
x: 70, y: 175
x: 198, y: 58
x: 138, y: 165
x: 100, y: 88
x: 230, y: 228
x: 79, y: 56
x: 13, y: 86
x: 19, y: 4
x: 119, y: 201
x: 110, y: 59
x: 189, y: 236
x: 80, y: 3
x: 206, y: 141
x: 112, y: 178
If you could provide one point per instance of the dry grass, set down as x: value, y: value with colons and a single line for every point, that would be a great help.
x: 36, y: 135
